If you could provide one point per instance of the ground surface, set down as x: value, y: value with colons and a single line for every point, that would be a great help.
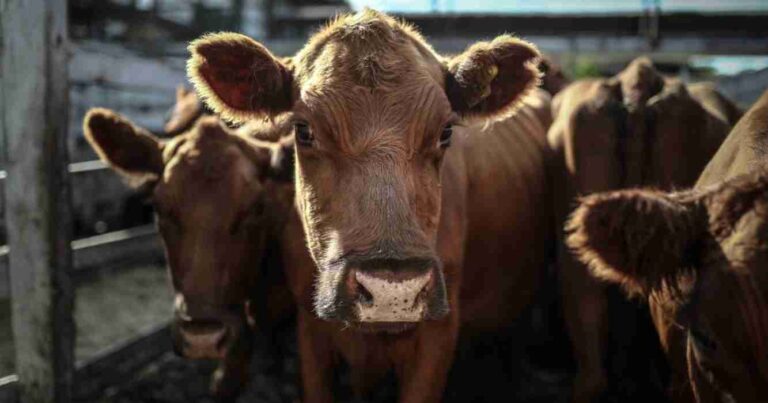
x: 114, y: 306
x: 495, y: 368
x: 523, y: 364
x: 490, y: 378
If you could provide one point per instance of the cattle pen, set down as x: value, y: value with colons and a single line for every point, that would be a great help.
x: 70, y: 224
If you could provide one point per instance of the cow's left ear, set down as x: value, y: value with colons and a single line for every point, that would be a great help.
x: 490, y: 78
x: 238, y: 77
x: 637, y: 238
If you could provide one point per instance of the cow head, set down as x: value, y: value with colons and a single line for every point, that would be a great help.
x: 374, y: 110
x: 703, y: 255
x: 211, y: 191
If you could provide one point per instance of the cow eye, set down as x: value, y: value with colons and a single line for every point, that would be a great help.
x: 445, y: 136
x: 303, y: 135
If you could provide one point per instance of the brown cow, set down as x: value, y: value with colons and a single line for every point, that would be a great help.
x: 217, y: 195
x: 700, y: 257
x: 745, y: 150
x: 415, y: 224
x: 635, y: 129
x: 185, y: 112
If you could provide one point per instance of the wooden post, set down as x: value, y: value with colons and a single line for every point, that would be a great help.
x: 34, y: 124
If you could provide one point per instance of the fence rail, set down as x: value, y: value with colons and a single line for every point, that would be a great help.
x: 8, y: 392
x: 107, y: 368
x: 124, y: 246
x: 110, y: 366
x: 113, y: 249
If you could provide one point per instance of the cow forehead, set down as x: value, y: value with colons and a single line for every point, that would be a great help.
x: 219, y: 175
x: 369, y: 49
x: 359, y: 100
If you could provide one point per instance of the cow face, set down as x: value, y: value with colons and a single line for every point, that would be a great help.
x: 703, y: 256
x: 374, y: 110
x: 210, y: 191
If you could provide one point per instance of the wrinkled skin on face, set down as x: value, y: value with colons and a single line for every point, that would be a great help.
x: 701, y: 258
x: 373, y: 107
x: 211, y: 189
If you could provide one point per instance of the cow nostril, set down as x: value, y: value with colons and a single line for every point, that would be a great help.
x: 423, y: 294
x: 364, y: 296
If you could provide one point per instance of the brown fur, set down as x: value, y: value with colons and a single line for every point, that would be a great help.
x: 187, y: 110
x: 745, y: 149
x: 553, y: 80
x: 487, y: 76
x: 130, y: 150
x: 217, y: 201
x: 709, y: 245
x: 634, y: 129
x: 238, y: 59
x: 606, y: 234
x: 374, y: 185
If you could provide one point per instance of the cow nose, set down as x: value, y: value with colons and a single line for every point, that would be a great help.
x: 202, y: 339
x: 390, y: 296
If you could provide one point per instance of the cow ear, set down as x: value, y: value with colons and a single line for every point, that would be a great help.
x: 490, y: 78
x: 639, y: 239
x: 130, y: 150
x: 181, y: 92
x: 238, y: 77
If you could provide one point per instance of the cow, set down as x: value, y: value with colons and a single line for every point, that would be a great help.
x: 726, y: 251
x: 217, y: 195
x: 701, y: 255
x: 185, y: 112
x: 553, y: 79
x: 636, y: 128
x: 745, y: 149
x: 420, y: 186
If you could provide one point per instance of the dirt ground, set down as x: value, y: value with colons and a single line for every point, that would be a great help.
x: 497, y: 368
x: 525, y: 363
x: 486, y: 374
x: 112, y: 307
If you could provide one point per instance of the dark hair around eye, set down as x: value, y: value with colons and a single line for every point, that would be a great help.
x: 303, y: 134
x: 445, y: 136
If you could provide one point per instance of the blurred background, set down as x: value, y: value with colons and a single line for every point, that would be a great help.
x: 129, y: 55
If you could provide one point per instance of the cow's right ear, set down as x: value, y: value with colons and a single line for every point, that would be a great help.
x: 639, y: 239
x: 238, y: 77
x: 130, y: 150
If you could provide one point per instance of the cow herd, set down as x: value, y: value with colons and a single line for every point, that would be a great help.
x: 398, y: 203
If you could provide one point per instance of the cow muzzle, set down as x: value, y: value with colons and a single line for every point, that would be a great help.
x: 379, y: 294
x: 396, y: 292
x: 206, y: 335
x: 202, y: 339
x: 386, y: 296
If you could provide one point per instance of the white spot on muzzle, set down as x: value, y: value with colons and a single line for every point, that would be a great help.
x: 393, y: 301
